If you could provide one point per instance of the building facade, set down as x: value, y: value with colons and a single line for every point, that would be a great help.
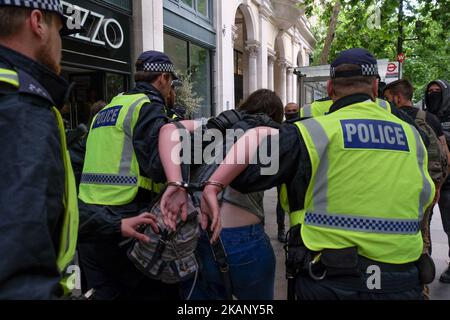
x: 97, y: 61
x: 230, y: 47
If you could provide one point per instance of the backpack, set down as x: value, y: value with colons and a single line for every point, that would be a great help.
x: 437, y: 156
x: 170, y: 255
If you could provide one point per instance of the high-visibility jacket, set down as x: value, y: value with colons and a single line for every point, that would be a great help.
x: 69, y: 232
x: 111, y: 174
x: 369, y: 185
x: 316, y: 109
x: 69, y: 221
x: 322, y: 107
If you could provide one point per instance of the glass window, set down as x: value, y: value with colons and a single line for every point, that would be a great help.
x: 200, y: 77
x: 202, y: 7
x: 177, y: 50
x: 238, y: 67
x: 188, y: 2
x: 196, y: 60
x: 115, y: 84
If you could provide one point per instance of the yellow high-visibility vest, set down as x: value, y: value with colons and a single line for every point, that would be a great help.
x: 111, y: 174
x: 369, y: 186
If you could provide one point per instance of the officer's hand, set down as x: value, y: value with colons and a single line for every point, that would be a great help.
x: 129, y: 226
x: 173, y: 201
x: 210, y: 210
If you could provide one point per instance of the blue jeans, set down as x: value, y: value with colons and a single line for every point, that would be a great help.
x: 252, y: 266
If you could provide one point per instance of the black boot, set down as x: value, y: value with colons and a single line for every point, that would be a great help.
x: 445, y: 276
x: 281, y: 235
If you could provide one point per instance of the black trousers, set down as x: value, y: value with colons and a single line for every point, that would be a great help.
x: 444, y: 207
x: 113, y: 276
x: 403, y: 285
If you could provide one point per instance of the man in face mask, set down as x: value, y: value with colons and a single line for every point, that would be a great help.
x: 291, y: 111
x: 437, y: 100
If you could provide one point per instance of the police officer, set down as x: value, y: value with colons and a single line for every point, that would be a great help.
x: 437, y: 100
x: 360, y: 234
x: 291, y: 113
x: 316, y: 108
x: 38, y: 206
x: 121, y: 176
x: 322, y: 107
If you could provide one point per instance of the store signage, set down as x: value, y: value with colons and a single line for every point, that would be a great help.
x: 99, y: 30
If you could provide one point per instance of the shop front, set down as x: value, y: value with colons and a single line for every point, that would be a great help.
x: 98, y: 60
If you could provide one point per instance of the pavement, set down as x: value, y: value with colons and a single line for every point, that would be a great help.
x: 438, y: 290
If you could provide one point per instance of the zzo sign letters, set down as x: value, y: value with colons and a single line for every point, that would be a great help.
x: 99, y: 30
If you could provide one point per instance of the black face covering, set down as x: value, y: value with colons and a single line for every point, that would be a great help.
x: 434, y: 102
x: 291, y: 115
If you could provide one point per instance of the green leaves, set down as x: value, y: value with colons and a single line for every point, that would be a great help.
x: 426, y: 35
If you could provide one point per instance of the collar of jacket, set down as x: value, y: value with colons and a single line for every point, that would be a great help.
x: 150, y: 91
x: 348, y: 100
x: 35, y: 78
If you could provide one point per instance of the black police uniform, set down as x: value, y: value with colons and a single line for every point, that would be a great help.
x: 295, y: 170
x: 32, y: 180
x: 103, y: 258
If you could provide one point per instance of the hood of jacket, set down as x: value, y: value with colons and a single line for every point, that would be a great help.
x: 445, y: 89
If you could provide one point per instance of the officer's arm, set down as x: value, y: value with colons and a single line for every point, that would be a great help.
x: 241, y: 154
x: 145, y: 140
x: 284, y: 164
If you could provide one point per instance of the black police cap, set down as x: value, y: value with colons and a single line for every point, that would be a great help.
x: 45, y: 5
x: 356, y: 56
x: 156, y: 61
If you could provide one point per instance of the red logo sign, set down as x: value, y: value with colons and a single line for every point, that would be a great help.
x: 391, y: 67
x: 401, y: 57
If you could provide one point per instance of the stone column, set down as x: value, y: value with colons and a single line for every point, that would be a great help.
x: 264, y: 16
x: 282, y: 88
x: 289, y: 78
x: 294, y: 88
x: 270, y: 72
x: 148, y: 26
x: 252, y: 48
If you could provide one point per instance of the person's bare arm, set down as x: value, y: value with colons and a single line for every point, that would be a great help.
x: 235, y: 162
x: 169, y: 152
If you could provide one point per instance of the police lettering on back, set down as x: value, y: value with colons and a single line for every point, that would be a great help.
x: 374, y: 134
x: 107, y: 117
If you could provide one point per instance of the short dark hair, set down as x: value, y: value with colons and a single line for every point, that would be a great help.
x: 12, y: 19
x: 264, y: 101
x: 348, y: 85
x: 401, y: 87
